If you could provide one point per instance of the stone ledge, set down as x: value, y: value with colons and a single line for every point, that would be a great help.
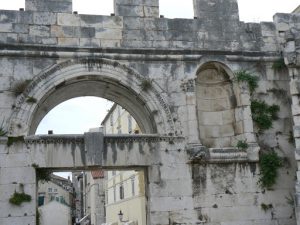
x: 201, y: 154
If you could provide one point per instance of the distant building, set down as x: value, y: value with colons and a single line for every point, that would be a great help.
x: 55, y: 213
x: 297, y: 10
x: 58, y: 189
x: 125, y: 190
x: 56, y: 201
x: 119, y: 121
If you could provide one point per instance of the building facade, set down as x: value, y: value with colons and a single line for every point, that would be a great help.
x: 125, y: 190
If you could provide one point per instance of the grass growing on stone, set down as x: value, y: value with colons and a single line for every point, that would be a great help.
x: 146, y: 84
x: 266, y: 207
x: 242, y: 145
x: 20, y: 87
x: 18, y: 198
x: 31, y: 100
x: 244, y: 76
x: 3, y: 132
x: 42, y: 174
x: 263, y: 114
x: 279, y: 65
x: 269, y: 164
x: 12, y: 140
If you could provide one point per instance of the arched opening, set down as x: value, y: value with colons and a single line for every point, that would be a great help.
x: 91, y: 196
x: 116, y: 83
x: 216, y: 104
x: 100, y: 78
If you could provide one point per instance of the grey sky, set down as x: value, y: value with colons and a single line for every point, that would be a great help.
x: 250, y: 10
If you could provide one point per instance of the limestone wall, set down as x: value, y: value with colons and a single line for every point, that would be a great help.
x: 65, y: 55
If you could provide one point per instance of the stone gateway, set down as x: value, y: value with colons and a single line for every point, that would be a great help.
x: 217, y: 101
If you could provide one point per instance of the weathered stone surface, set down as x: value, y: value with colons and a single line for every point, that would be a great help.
x: 194, y: 102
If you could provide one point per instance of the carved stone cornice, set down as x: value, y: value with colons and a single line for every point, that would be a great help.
x: 54, y: 139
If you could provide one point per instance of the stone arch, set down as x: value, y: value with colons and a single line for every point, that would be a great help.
x: 218, y: 102
x: 92, y: 77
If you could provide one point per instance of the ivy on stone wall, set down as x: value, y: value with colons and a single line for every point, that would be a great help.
x: 263, y: 114
x: 244, y: 76
x: 279, y: 65
x: 269, y: 164
x: 12, y: 140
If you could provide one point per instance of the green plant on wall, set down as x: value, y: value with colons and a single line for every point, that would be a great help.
x: 279, y: 65
x: 3, y: 132
x: 146, y: 84
x: 20, y: 87
x: 265, y: 207
x: 42, y: 174
x: 242, y: 145
x: 251, y: 80
x: 12, y: 140
x: 31, y: 100
x: 269, y: 164
x: 263, y: 114
x: 18, y: 198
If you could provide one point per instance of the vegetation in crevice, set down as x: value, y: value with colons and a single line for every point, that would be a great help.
x: 31, y: 100
x: 20, y: 87
x: 266, y: 207
x: 279, y: 65
x: 146, y: 84
x: 263, y: 114
x: 37, y: 217
x: 42, y: 174
x: 269, y: 163
x: 18, y: 198
x: 291, y: 138
x: 242, y: 145
x: 3, y: 132
x: 244, y: 76
x: 12, y: 140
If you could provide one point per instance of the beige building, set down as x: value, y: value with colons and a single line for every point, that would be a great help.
x: 297, y: 10
x: 125, y: 190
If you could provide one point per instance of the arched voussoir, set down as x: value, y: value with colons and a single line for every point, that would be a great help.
x: 92, y: 77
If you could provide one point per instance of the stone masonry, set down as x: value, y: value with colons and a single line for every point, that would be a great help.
x: 177, y: 77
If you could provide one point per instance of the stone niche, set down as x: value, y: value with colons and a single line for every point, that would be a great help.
x: 216, y: 103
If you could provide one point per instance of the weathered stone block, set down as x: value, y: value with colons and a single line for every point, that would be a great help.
x: 68, y: 41
x: 110, y: 34
x: 44, y: 18
x: 49, y: 6
x: 68, y: 19
x: 43, y: 31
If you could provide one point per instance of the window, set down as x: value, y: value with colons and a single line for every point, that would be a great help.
x: 129, y: 124
x: 115, y: 198
x: 121, y: 191
x: 132, y: 186
x: 49, y: 189
x: 55, y: 190
x: 111, y: 120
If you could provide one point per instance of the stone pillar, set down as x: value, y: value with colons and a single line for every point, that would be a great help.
x: 16, y: 176
x: 216, y: 9
x: 138, y: 8
x: 63, y: 6
x: 295, y: 92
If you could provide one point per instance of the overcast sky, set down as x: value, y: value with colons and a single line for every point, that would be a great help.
x: 78, y: 115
